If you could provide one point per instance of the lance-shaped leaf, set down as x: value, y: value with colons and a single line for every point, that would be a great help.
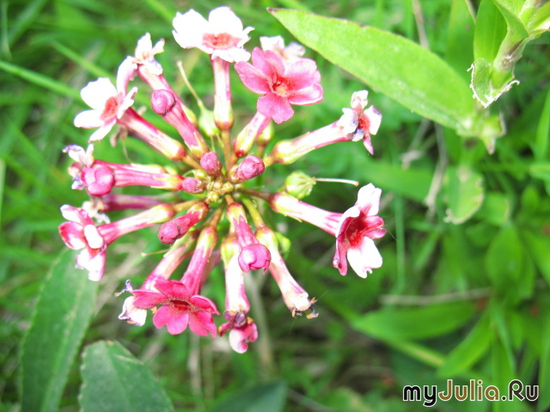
x: 63, y: 312
x: 394, y: 65
x: 115, y: 380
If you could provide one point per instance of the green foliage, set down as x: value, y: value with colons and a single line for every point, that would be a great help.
x: 464, y: 289
x: 63, y: 312
x: 114, y: 380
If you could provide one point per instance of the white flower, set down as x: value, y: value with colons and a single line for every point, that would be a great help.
x: 222, y: 35
x: 108, y: 103
x: 145, y: 54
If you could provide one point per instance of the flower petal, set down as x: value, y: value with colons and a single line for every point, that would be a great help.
x: 276, y: 107
x: 252, y: 77
x: 88, y: 119
x: 365, y: 257
x: 368, y: 199
x: 175, y: 320
x: 95, y: 94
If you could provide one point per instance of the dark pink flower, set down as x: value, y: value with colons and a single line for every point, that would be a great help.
x: 358, y: 226
x: 179, y: 307
x: 281, y: 85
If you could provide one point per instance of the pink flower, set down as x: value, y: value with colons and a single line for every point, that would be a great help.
x: 107, y: 102
x: 358, y: 226
x: 221, y: 36
x: 242, y: 330
x: 360, y: 121
x: 179, y: 307
x: 79, y: 233
x: 281, y: 85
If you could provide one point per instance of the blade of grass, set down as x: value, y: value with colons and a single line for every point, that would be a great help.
x: 39, y: 79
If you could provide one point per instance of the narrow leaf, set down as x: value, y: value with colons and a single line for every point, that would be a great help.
x: 63, y: 312
x: 39, y: 79
x: 469, y: 350
x: 415, y: 323
x: 265, y: 397
x: 114, y: 380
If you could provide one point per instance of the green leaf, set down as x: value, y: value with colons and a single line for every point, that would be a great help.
x: 504, y: 258
x: 413, y: 183
x: 63, y: 312
x: 495, y: 209
x: 540, y: 146
x: 490, y: 31
x: 394, y: 65
x: 459, y: 53
x: 538, y: 246
x: 540, y: 21
x: 544, y: 372
x: 265, y: 397
x: 39, y: 79
x: 115, y: 380
x: 469, y: 350
x: 464, y: 192
x: 415, y: 323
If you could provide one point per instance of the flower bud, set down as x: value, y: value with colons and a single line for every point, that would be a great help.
x: 249, y: 168
x: 176, y: 228
x: 299, y: 185
x: 211, y: 164
x: 254, y: 257
x: 192, y: 185
x: 99, y: 180
x: 162, y: 101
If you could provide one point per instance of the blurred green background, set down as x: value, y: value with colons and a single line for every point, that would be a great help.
x: 457, y: 298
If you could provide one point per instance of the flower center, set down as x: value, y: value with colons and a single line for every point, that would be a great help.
x: 111, y: 108
x: 359, y: 228
x: 280, y: 88
x: 220, y: 41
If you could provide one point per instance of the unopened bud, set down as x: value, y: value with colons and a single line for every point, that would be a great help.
x: 162, y: 101
x: 249, y: 168
x: 211, y: 164
x: 298, y: 184
x: 99, y: 180
x: 192, y: 185
x: 254, y: 257
x: 177, y: 228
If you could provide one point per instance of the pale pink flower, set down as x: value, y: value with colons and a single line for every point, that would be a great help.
x: 145, y: 54
x: 280, y: 85
x: 361, y: 121
x: 276, y: 44
x: 357, y: 228
x: 108, y: 103
x: 222, y: 35
x: 81, y: 233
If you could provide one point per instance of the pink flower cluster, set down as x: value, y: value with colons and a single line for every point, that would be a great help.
x: 213, y: 180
